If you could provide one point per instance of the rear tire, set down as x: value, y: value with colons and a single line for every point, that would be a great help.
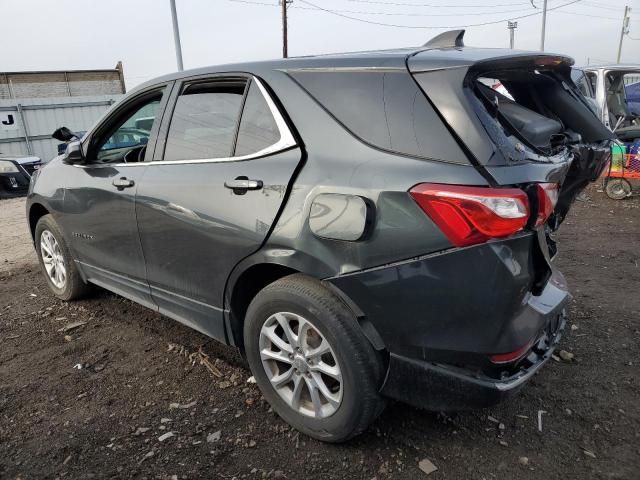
x: 56, y: 261
x: 618, y: 188
x: 314, y: 315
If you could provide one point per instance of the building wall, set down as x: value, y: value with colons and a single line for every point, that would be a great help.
x: 61, y: 84
x: 34, y: 104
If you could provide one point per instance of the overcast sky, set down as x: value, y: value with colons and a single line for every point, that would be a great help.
x: 86, y: 34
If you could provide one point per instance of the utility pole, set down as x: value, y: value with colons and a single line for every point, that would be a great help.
x: 544, y: 24
x: 625, y: 30
x: 511, y: 26
x: 176, y: 35
x: 285, y: 46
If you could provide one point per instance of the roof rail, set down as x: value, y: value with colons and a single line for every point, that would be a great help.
x: 450, y: 39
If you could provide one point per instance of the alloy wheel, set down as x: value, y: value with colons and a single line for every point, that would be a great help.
x: 53, y: 259
x: 301, y: 365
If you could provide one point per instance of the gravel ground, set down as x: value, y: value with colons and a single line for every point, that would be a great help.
x: 144, y: 405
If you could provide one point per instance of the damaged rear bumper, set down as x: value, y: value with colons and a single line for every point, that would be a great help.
x: 445, y: 388
x: 442, y: 317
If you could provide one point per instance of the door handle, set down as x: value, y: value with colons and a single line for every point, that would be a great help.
x: 122, y: 183
x: 241, y: 184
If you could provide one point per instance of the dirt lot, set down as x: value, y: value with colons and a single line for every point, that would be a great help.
x: 15, y: 247
x: 105, y: 418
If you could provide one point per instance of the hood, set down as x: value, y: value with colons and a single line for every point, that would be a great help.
x: 20, y: 159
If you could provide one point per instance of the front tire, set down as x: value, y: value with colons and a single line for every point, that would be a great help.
x: 311, y: 360
x: 56, y: 261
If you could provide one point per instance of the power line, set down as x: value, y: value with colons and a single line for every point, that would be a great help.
x: 401, y: 14
x: 603, y: 6
x: 588, y: 15
x: 401, y: 4
x: 393, y: 14
x: 371, y: 22
x: 255, y: 3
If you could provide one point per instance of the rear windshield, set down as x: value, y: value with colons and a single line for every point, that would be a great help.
x: 540, y: 110
x: 384, y: 109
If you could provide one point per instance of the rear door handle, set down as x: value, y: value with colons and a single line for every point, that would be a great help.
x: 241, y: 184
x: 122, y: 183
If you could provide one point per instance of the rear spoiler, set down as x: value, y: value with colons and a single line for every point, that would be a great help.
x: 438, y: 58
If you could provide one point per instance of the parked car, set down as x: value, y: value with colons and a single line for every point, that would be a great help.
x: 614, y: 92
x: 15, y: 174
x: 360, y: 226
x: 609, y: 89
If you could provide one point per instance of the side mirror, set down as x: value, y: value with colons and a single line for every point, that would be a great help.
x: 73, y: 154
x: 64, y: 134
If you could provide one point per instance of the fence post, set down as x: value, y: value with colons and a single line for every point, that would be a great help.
x: 25, y: 128
x: 66, y: 81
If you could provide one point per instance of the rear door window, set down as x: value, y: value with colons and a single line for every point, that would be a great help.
x: 258, y: 129
x: 205, y: 121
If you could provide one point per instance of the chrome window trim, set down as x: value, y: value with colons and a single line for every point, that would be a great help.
x: 344, y: 70
x: 285, y: 142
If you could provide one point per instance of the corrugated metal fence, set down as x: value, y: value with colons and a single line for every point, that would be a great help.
x: 26, y: 124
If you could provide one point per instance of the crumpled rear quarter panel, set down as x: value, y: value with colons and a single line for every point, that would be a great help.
x: 476, y: 300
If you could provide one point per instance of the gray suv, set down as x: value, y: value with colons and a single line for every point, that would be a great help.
x: 361, y: 226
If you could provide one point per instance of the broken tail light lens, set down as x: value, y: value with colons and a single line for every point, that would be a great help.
x: 547, y: 200
x: 548, y: 61
x: 472, y: 215
x: 510, y: 357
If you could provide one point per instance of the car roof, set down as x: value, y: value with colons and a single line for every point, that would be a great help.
x: 392, y: 59
x: 443, y: 51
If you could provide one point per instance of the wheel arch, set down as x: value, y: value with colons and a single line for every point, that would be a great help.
x: 245, y: 283
x: 245, y: 287
x: 36, y: 212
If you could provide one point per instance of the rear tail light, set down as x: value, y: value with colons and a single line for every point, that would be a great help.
x: 471, y: 215
x: 547, y: 200
x: 511, y: 357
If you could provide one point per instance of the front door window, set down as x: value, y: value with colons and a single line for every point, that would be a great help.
x: 126, y: 140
